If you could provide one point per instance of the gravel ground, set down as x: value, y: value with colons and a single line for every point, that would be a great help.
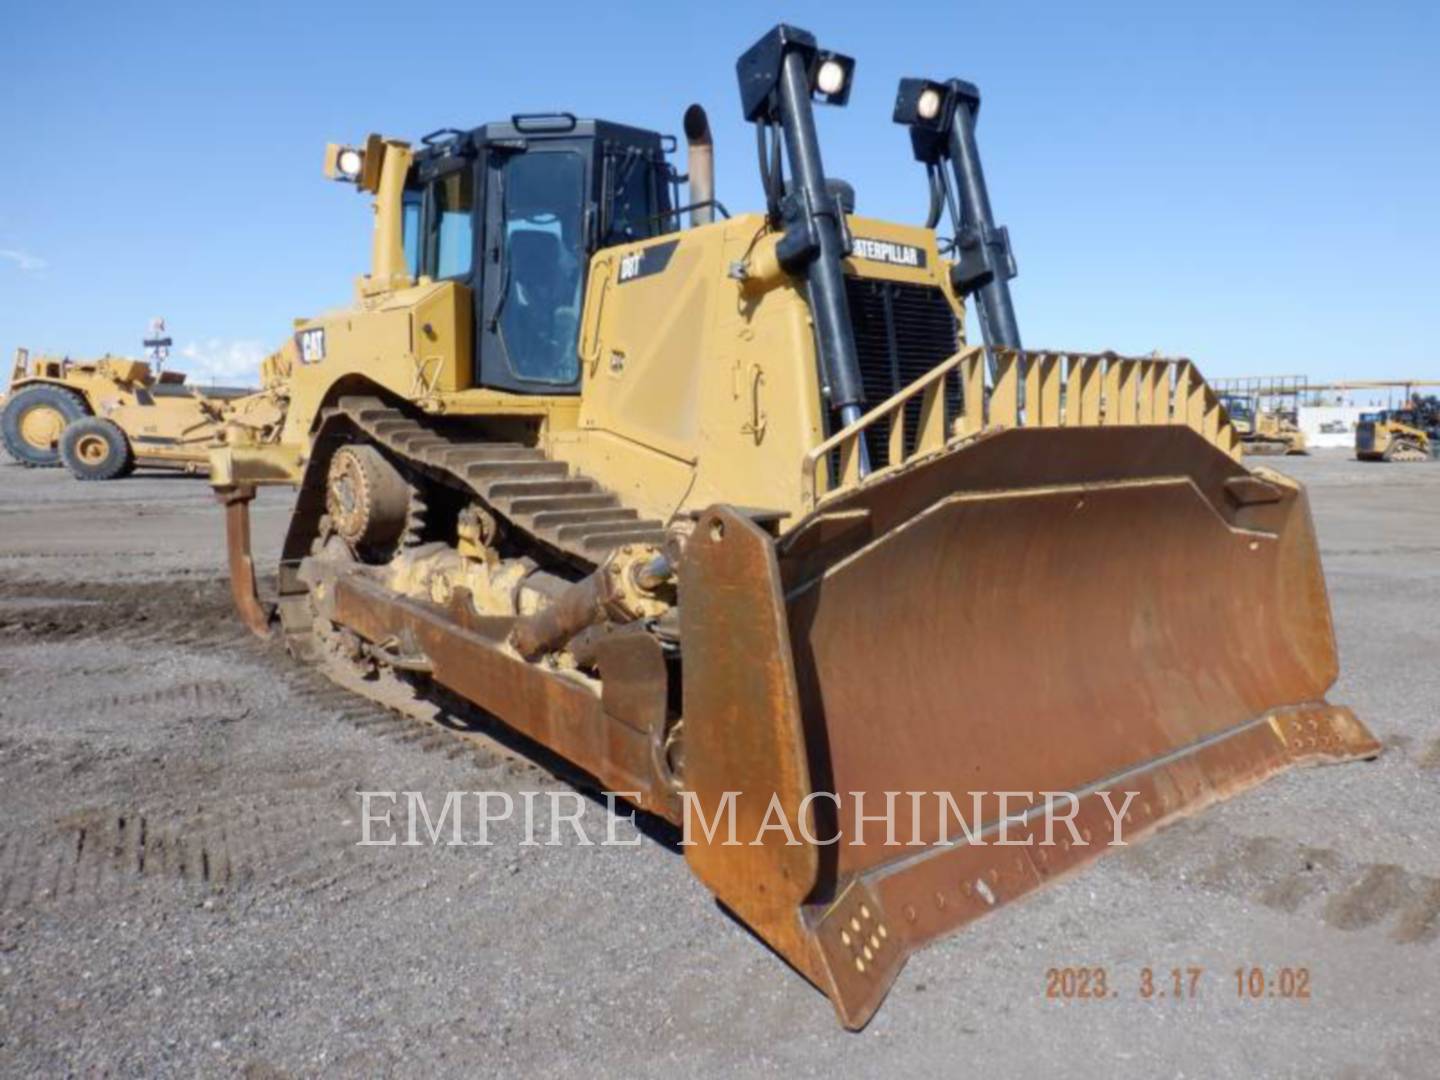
x: 181, y: 891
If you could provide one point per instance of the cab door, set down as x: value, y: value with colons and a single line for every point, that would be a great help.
x: 535, y: 256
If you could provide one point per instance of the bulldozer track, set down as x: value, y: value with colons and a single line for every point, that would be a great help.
x: 569, y: 512
x: 535, y: 496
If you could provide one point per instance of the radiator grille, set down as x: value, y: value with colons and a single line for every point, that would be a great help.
x: 901, y: 332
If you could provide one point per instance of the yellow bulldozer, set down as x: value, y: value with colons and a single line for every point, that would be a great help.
x: 1263, y: 431
x: 732, y: 513
x: 1408, y: 434
x: 103, y: 418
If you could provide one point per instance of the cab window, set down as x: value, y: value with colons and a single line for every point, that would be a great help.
x: 410, y: 229
x: 1238, y: 408
x: 454, y: 199
x: 543, y: 207
x: 631, y: 204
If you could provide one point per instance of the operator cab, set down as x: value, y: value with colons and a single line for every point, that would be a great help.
x: 1238, y: 408
x: 514, y: 211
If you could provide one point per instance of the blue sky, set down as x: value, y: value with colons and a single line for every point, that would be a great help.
x: 1253, y: 185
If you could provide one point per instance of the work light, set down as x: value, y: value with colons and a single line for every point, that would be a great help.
x: 830, y: 76
x: 928, y: 106
x: 350, y: 162
x: 922, y: 103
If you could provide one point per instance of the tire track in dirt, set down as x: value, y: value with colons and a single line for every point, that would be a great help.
x: 1290, y: 878
x: 290, y: 838
x: 183, y: 613
x: 97, y: 855
x: 201, y: 612
x: 1402, y: 748
x: 100, y: 854
x: 206, y: 696
x: 430, y: 721
x: 186, y: 614
x: 283, y: 835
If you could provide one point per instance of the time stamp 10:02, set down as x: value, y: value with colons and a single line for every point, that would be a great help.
x: 1245, y: 983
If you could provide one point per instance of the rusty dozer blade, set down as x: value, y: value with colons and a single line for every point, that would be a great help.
x: 1123, y: 613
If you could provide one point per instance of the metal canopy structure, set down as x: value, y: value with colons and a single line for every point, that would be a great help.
x: 1286, y: 392
x: 1272, y: 393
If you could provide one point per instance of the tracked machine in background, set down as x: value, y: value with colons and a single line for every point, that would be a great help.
x: 733, y: 517
x: 1408, y: 434
x: 1263, y: 431
x: 104, y: 418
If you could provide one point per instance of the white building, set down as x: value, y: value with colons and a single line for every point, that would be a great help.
x: 1331, y: 425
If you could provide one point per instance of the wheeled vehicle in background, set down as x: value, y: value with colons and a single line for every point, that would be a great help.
x: 104, y: 418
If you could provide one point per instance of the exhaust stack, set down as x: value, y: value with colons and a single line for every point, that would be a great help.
x: 701, y: 165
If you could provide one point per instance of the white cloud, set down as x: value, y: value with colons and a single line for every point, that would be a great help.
x: 218, y: 361
x: 23, y: 260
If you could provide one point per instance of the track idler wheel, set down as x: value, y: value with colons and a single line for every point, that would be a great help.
x: 366, y: 499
